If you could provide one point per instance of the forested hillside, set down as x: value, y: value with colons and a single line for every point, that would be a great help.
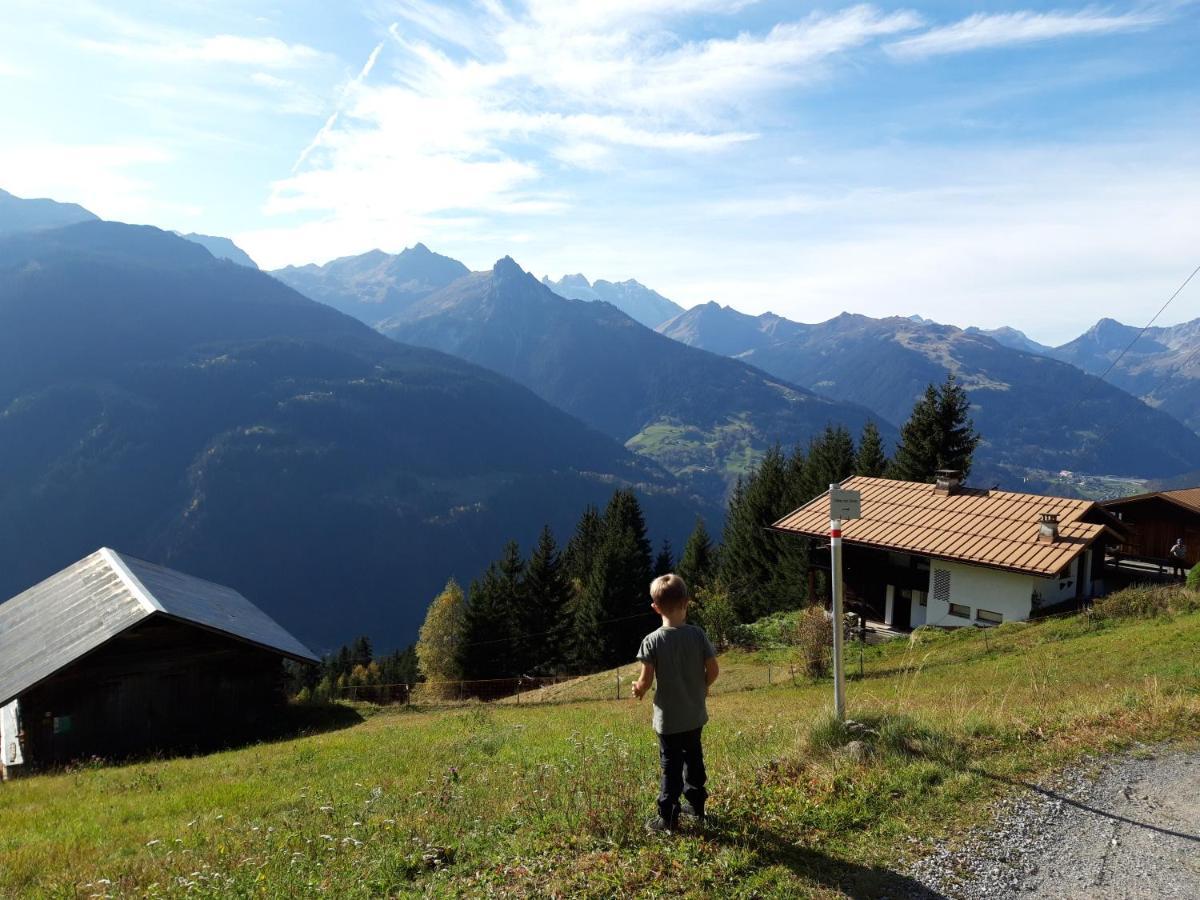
x: 200, y: 414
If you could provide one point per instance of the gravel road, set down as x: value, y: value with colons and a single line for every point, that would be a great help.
x: 1122, y: 827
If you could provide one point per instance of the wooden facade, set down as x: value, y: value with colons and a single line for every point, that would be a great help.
x: 1154, y: 523
x: 162, y: 685
x: 114, y: 656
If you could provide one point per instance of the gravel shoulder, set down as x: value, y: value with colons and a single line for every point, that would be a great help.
x: 1119, y: 827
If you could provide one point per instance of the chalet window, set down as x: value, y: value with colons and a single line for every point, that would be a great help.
x: 986, y: 615
x: 957, y: 609
x: 940, y: 585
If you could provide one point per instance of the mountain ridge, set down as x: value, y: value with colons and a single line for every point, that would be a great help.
x: 633, y: 298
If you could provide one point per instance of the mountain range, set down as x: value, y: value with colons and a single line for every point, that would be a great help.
x: 631, y: 297
x: 700, y: 415
x: 203, y: 415
x: 1034, y: 412
x: 21, y: 214
x: 375, y: 286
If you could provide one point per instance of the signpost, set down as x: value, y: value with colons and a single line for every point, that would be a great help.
x: 842, y: 505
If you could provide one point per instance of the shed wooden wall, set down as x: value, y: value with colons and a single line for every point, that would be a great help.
x: 161, y: 685
x: 1155, y: 524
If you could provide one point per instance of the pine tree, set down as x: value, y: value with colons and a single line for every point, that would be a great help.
x: 830, y: 460
x: 361, y: 653
x: 612, y: 610
x: 442, y: 635
x: 581, y: 549
x: 698, y: 563
x: 547, y: 598
x: 938, y: 435
x: 917, y: 455
x: 764, y: 572
x: 957, y: 437
x: 488, y: 633
x: 664, y: 563
x: 871, y: 460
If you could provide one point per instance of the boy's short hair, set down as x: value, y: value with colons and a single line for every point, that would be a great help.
x: 668, y: 591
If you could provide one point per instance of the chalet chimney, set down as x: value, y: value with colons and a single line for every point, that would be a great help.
x: 1048, y: 528
x: 948, y: 482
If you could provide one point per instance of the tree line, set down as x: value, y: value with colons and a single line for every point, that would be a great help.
x: 354, y: 665
x: 584, y: 607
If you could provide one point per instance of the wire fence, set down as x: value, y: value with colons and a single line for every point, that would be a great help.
x: 786, y: 667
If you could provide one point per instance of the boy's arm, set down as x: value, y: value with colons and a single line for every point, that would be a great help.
x: 711, y: 671
x: 644, y: 680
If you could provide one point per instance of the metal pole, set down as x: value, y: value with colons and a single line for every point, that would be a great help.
x: 835, y: 553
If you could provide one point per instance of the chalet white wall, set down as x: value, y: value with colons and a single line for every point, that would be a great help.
x: 1006, y: 593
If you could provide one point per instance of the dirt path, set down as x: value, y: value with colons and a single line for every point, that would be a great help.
x: 1126, y: 827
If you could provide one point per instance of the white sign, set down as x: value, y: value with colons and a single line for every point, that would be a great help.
x: 844, y: 504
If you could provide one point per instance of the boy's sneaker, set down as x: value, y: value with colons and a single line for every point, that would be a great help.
x: 659, y: 825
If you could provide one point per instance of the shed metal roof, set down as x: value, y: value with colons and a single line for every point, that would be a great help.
x: 998, y: 529
x: 1189, y: 498
x: 75, y: 611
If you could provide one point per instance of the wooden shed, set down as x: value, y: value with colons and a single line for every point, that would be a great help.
x: 115, y: 656
x: 1156, y: 520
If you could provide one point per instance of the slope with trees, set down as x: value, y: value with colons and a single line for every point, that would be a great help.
x: 1035, y: 412
x: 703, y: 417
x: 201, y: 414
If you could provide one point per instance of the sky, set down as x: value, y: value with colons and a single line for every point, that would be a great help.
x: 978, y: 164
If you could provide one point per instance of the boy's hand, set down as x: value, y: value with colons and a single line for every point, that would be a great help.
x: 645, y: 679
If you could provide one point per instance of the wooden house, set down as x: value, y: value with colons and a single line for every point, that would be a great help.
x: 946, y: 555
x: 1155, y: 521
x: 115, y: 656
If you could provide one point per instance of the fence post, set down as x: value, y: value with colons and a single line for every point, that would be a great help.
x: 768, y: 674
x: 792, y: 671
x: 618, y: 697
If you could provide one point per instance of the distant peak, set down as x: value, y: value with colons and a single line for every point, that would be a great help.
x: 578, y: 280
x: 418, y: 247
x: 507, y: 266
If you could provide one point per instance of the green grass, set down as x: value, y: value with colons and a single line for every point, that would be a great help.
x: 548, y: 800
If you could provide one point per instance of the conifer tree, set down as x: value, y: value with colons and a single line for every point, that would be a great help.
x: 360, y: 652
x: 581, y: 549
x: 488, y: 633
x: 547, y: 596
x: 664, y: 563
x: 938, y: 435
x: 438, y: 648
x: 764, y: 572
x: 830, y: 461
x: 870, y: 460
x: 698, y: 563
x: 612, y: 610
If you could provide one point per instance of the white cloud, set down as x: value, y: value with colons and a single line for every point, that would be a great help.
x: 984, y: 31
x: 473, y: 109
x: 164, y: 46
x: 97, y: 176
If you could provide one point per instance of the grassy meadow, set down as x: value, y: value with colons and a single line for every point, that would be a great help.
x: 549, y: 800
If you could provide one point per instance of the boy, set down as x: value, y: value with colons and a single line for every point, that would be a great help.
x: 684, y: 662
x: 1179, y: 559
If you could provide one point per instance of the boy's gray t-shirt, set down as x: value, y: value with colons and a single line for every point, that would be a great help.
x: 678, y: 655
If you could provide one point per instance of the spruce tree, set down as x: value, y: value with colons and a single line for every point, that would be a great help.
x: 698, y: 563
x: 870, y: 460
x: 830, y: 460
x: 764, y: 571
x: 612, y: 610
x: 547, y: 598
x: 916, y: 456
x: 957, y: 437
x: 581, y: 549
x: 488, y: 633
x: 361, y: 653
x: 938, y: 435
x: 664, y: 563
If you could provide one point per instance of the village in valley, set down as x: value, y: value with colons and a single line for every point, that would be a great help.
x: 849, y: 550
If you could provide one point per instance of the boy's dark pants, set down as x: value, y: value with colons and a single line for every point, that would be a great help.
x: 682, y: 772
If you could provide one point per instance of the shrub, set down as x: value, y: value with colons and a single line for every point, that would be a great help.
x: 1146, y: 601
x: 713, y: 611
x: 1193, y: 579
x: 814, y: 638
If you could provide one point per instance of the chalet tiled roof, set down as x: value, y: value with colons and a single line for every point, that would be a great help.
x: 987, y: 528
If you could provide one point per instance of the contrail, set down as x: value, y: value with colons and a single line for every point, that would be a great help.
x: 332, y: 120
